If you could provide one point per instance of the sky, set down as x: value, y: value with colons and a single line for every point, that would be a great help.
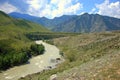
x: 57, y: 8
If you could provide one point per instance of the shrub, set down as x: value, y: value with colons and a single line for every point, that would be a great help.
x: 37, y: 49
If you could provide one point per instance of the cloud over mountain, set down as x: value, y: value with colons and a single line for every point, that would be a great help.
x: 56, y: 8
x: 53, y: 8
x: 109, y: 9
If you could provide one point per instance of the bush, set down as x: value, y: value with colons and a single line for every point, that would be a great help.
x: 12, y: 59
x: 37, y: 49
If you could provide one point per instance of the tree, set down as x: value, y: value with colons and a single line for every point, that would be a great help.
x: 37, y: 49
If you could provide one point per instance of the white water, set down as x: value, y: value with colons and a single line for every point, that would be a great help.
x: 36, y: 64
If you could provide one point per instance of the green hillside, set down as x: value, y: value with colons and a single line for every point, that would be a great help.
x: 14, y: 45
x: 11, y: 28
x: 93, y: 56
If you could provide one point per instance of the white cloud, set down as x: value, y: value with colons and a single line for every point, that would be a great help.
x: 109, y: 9
x: 8, y: 8
x: 53, y: 8
x: 93, y: 11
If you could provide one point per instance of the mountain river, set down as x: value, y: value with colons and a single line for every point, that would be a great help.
x: 48, y: 60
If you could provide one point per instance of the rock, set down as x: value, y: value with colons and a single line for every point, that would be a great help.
x: 58, y: 59
x: 49, y: 67
x: 53, y: 61
x: 53, y: 77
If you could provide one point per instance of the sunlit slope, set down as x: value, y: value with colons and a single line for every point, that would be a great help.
x: 12, y: 27
x: 91, y: 56
x: 13, y: 31
x: 87, y: 56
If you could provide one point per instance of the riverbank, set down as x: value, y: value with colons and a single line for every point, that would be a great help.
x: 36, y: 64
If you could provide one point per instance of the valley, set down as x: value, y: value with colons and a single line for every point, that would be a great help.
x: 87, y: 56
x: 86, y: 47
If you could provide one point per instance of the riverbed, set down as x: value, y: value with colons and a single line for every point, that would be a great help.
x: 36, y: 64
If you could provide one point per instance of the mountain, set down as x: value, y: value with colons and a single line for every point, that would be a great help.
x: 15, y: 30
x: 89, y: 23
x: 9, y: 25
x: 48, y: 23
x: 73, y: 23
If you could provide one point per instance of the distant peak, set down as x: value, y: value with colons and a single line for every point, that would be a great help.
x: 85, y: 14
x: 43, y: 17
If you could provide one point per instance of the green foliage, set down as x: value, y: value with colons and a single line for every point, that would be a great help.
x: 9, y: 56
x: 5, y: 46
x: 14, y: 45
x: 37, y: 49
x: 12, y: 59
x: 48, y: 35
x: 11, y: 28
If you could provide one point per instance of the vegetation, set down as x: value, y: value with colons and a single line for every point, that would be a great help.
x: 10, y: 57
x: 14, y: 34
x: 48, y: 35
x: 82, y: 51
x: 37, y: 49
x: 14, y: 45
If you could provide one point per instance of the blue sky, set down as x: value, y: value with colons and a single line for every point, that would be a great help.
x: 56, y: 8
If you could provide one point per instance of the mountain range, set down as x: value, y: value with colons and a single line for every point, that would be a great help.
x: 75, y: 23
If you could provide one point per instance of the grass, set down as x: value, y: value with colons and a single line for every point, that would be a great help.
x: 79, y: 50
x: 48, y: 35
x: 99, y: 69
x: 16, y: 29
x: 12, y: 33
